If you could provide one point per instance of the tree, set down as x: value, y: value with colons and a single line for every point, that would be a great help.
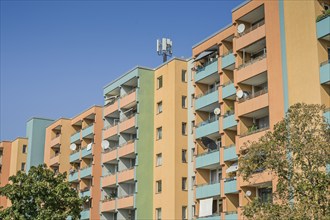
x: 296, y: 152
x: 40, y: 194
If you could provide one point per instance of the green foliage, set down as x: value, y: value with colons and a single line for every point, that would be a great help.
x: 296, y: 151
x: 40, y: 194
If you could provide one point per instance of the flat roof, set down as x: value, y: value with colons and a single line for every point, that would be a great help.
x: 86, y: 110
x: 45, y: 119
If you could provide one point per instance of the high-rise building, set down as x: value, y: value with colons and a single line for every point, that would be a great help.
x: 274, y: 54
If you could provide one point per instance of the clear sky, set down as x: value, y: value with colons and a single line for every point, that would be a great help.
x: 56, y: 56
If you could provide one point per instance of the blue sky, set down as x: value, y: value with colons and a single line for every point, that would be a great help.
x: 56, y: 56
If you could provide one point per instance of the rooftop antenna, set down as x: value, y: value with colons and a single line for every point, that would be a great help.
x: 164, y: 48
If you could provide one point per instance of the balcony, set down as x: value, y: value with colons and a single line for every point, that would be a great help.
x: 111, y: 108
x: 86, y: 152
x: 127, y: 124
x: 126, y: 175
x: 251, y: 35
x: 251, y: 68
x: 228, y: 90
x: 231, y: 216
x: 88, y: 132
x: 326, y: 114
x: 126, y: 202
x: 108, y: 205
x: 230, y: 186
x: 110, y: 131
x: 127, y: 149
x: 212, y: 217
x: 325, y: 72
x: 75, y: 156
x: 55, y: 141
x: 322, y: 26
x: 251, y: 136
x: 208, y: 128
x: 73, y: 176
x: 54, y: 160
x: 110, y: 155
x: 229, y: 153
x: 257, y: 179
x: 229, y: 120
x: 109, y: 180
x: 204, y: 102
x: 84, y: 214
x: 86, y: 172
x: 228, y: 61
x: 85, y: 192
x: 210, y: 71
x: 208, y: 160
x: 75, y: 137
x: 129, y: 99
x: 206, y: 191
x: 253, y: 102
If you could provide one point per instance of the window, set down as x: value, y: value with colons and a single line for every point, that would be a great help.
x: 184, y: 101
x: 184, y: 76
x: 159, y: 107
x: 184, y: 212
x: 184, y: 128
x: 193, y: 182
x: 192, y: 100
x: 184, y: 183
x: 22, y: 166
x: 184, y: 156
x: 265, y: 195
x: 192, y: 126
x: 24, y: 149
x: 193, y: 210
x: 159, y: 82
x: 159, y: 133
x: 159, y: 160
x: 158, y: 186
x: 192, y: 154
x: 158, y: 214
x: 213, y: 176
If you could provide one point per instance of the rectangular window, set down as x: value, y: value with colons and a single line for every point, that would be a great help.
x: 193, y: 182
x: 184, y: 183
x: 158, y: 214
x: 213, y: 176
x: 24, y: 149
x: 159, y: 107
x: 192, y: 154
x: 184, y: 101
x: 158, y: 186
x: 159, y: 82
x: 184, y: 128
x: 159, y: 133
x: 159, y: 160
x: 184, y: 156
x: 265, y: 195
x: 184, y: 76
x: 184, y: 212
x: 22, y: 166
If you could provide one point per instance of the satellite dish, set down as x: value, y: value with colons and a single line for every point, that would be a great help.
x: 89, y: 146
x: 248, y: 193
x: 217, y: 111
x: 73, y: 147
x: 105, y: 144
x: 239, y: 94
x: 240, y: 28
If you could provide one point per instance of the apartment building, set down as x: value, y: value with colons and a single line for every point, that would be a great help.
x: 12, y: 159
x: 57, y: 142
x: 170, y: 159
x: 127, y: 157
x: 85, y: 157
x: 246, y: 77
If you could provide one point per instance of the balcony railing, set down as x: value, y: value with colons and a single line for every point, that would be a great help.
x: 75, y: 151
x: 207, y: 92
x: 112, y: 101
x: 110, y: 149
x: 130, y: 168
x: 252, y: 28
x: 209, y: 151
x: 229, y: 113
x: 210, y: 120
x: 125, y: 196
x: 228, y: 52
x: 229, y: 146
x: 90, y: 125
x: 55, y: 155
x: 87, y: 188
x: 125, y: 118
x: 323, y: 16
x: 252, y: 61
x: 86, y: 167
x: 325, y: 63
x: 200, y: 68
x: 254, y: 95
x: 206, y: 184
x: 76, y: 132
x: 253, y: 131
x: 129, y: 92
x: 227, y: 83
x: 127, y: 142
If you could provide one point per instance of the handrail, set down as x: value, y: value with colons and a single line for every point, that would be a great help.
x: 231, y: 212
x: 324, y: 63
x: 230, y: 179
x: 110, y: 149
x: 229, y: 146
x: 129, y: 92
x: 127, y: 142
x: 252, y: 28
x: 127, y: 117
x: 112, y: 101
x: 75, y: 151
x: 208, y: 121
x: 109, y: 174
x: 115, y: 123
x: 254, y: 95
x: 87, y: 188
x: 255, y: 131
x: 199, y: 69
x: 252, y: 61
x: 207, y: 92
x: 129, y: 195
x: 86, y: 167
x: 227, y: 83
x: 206, y: 184
x: 227, y: 53
x: 108, y: 199
x: 75, y: 132
x: 131, y: 168
x: 209, y: 151
x: 229, y: 113
x: 323, y: 16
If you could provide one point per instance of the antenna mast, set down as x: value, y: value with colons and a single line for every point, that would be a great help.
x: 164, y: 48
